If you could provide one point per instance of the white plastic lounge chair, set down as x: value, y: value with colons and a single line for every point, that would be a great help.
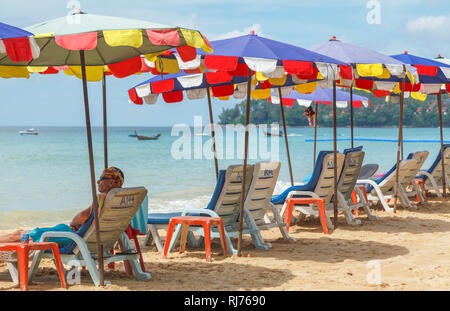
x: 433, y: 176
x: 257, y: 202
x: 409, y: 183
x: 347, y: 184
x: 119, y: 208
x: 227, y: 206
x: 160, y: 221
x: 383, y: 188
x: 321, y: 185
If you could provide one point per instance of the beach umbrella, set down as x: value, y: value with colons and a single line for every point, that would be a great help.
x: 88, y: 42
x: 16, y: 45
x: 322, y: 96
x: 434, y: 76
x: 368, y: 70
x: 265, y: 64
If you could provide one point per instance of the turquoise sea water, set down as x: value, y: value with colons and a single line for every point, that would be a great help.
x: 45, y: 178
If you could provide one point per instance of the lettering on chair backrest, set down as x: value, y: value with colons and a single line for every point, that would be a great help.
x: 121, y: 205
x: 325, y: 183
x: 264, y: 180
x: 127, y: 200
x: 229, y: 201
x: 350, y: 172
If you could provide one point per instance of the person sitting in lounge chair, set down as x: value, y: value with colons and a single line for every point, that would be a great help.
x: 111, y: 178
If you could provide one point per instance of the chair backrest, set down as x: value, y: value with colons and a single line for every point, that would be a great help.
x: 387, y: 182
x: 119, y: 208
x: 229, y: 201
x: 436, y: 168
x: 325, y: 183
x: 352, y: 166
x: 420, y: 157
x: 368, y: 170
x: 265, y: 176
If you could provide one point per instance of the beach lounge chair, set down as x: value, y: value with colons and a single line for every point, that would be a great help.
x: 225, y: 203
x: 321, y: 185
x: 160, y: 221
x: 408, y: 182
x: 119, y: 208
x: 257, y: 202
x: 383, y: 188
x: 432, y: 178
x: 347, y: 184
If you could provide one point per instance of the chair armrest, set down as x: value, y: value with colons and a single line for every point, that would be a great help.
x: 304, y: 193
x: 208, y: 212
x: 60, y: 234
x: 366, y: 181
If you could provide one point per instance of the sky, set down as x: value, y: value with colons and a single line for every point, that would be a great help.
x: 387, y: 26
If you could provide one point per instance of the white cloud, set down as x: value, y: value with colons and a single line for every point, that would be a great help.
x: 235, y: 33
x: 436, y: 25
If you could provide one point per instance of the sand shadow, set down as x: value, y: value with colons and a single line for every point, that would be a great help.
x: 168, y: 276
x: 327, y: 250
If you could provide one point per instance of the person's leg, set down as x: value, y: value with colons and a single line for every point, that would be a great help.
x: 11, y: 237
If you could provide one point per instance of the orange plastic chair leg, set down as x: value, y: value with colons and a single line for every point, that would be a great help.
x: 168, y: 238
x: 23, y: 267
x: 323, y: 217
x: 288, y: 214
x: 355, y: 200
x: 59, y: 266
x: 207, y: 231
x: 222, y: 238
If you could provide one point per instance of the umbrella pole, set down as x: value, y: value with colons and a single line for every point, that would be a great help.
x: 213, y: 133
x: 335, y: 207
x: 399, y: 145
x: 315, y: 133
x: 351, y: 113
x: 244, y: 174
x: 285, y: 136
x: 92, y: 170
x: 105, y: 124
x: 444, y: 186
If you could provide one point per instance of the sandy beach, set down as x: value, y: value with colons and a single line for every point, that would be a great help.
x: 408, y: 248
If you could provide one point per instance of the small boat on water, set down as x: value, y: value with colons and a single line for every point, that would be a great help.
x: 140, y: 137
x: 273, y: 134
x: 29, y: 132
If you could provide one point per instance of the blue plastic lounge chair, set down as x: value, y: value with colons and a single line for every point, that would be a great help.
x: 257, y: 202
x: 227, y: 206
x: 321, y: 185
x: 383, y: 188
x: 158, y: 221
x: 433, y: 176
x: 120, y: 206
x: 346, y: 185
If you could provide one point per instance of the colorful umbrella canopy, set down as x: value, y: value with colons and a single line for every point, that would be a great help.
x: 87, y: 42
x: 18, y: 44
x: 368, y: 70
x: 269, y: 59
x: 106, y: 40
x: 265, y: 64
x: 321, y: 96
x: 433, y: 75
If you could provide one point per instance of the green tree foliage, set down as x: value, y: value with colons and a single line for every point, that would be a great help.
x: 379, y: 114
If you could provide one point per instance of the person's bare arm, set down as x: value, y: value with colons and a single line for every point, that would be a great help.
x: 79, y: 219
